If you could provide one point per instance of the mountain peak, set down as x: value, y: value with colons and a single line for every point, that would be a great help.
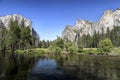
x: 118, y: 9
x: 109, y: 19
x: 108, y: 12
x: 15, y: 17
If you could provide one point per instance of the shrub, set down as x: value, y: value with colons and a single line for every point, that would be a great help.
x: 55, y: 49
x: 58, y: 50
x: 80, y: 49
x: 105, y: 45
x: 72, y: 49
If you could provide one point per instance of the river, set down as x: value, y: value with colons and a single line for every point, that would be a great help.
x: 74, y: 67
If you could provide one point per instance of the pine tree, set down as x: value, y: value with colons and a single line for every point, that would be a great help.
x: 105, y: 45
x: 26, y: 38
x: 108, y: 33
x: 3, y: 39
x: 14, y: 35
x: 102, y: 34
x: 88, y: 41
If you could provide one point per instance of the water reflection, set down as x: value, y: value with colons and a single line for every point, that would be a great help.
x: 46, y: 66
x: 22, y: 67
x: 15, y: 67
x: 46, y: 69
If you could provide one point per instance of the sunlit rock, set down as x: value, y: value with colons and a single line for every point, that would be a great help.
x: 109, y: 19
x: 6, y: 20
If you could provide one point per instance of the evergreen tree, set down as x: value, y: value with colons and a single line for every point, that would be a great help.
x: 59, y: 42
x: 43, y: 44
x: 14, y: 35
x: 88, y: 41
x: 26, y: 38
x: 80, y: 42
x: 102, y: 34
x: 67, y: 44
x: 3, y: 39
x: 94, y: 39
x: 105, y: 45
x: 108, y: 33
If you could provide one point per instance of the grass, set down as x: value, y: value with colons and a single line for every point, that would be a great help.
x: 90, y: 51
x: 115, y: 51
x: 33, y: 52
x: 86, y: 51
x: 94, y: 51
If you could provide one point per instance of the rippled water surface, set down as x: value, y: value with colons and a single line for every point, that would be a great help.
x: 75, y: 67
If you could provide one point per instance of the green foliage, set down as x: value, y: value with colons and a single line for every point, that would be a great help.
x: 72, y: 49
x: 15, y: 37
x: 3, y: 39
x: 19, y: 38
x: 115, y: 51
x: 87, y: 41
x: 57, y: 46
x: 33, y: 52
x: 67, y: 44
x: 59, y: 42
x: 60, y: 45
x: 80, y: 49
x: 115, y: 36
x: 26, y: 40
x: 57, y: 50
x: 45, y: 44
x: 91, y: 51
x: 105, y: 45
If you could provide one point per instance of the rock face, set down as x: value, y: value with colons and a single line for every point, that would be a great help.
x: 5, y: 22
x: 108, y: 20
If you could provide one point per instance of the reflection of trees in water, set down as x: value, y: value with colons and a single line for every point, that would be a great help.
x: 92, y: 68
x: 15, y: 67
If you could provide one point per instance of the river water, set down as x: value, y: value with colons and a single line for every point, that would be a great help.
x: 15, y: 67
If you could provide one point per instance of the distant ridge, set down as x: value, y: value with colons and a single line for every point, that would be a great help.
x: 108, y: 20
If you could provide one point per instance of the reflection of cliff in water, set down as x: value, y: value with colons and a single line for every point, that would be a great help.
x: 22, y: 67
x: 46, y: 69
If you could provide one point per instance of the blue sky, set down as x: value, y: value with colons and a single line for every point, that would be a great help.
x: 50, y: 17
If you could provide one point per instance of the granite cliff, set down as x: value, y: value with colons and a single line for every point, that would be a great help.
x: 5, y: 22
x: 108, y: 20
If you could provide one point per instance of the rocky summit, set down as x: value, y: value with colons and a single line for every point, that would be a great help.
x: 108, y: 20
x: 6, y: 20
